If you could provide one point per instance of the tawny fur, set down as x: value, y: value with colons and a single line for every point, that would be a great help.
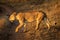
x: 28, y: 16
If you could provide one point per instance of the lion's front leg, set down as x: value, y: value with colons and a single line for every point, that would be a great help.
x: 19, y: 26
x: 20, y: 18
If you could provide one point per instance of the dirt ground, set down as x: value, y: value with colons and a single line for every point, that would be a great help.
x: 50, y: 7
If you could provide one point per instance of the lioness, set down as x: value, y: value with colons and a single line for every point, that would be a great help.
x: 28, y: 16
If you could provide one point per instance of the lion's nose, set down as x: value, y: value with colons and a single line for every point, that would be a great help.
x: 11, y: 21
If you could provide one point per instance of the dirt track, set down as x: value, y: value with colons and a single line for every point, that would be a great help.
x: 52, y: 10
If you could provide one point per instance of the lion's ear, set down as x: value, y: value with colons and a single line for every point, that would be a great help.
x: 14, y: 13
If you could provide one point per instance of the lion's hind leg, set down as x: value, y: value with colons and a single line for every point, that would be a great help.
x: 39, y: 19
